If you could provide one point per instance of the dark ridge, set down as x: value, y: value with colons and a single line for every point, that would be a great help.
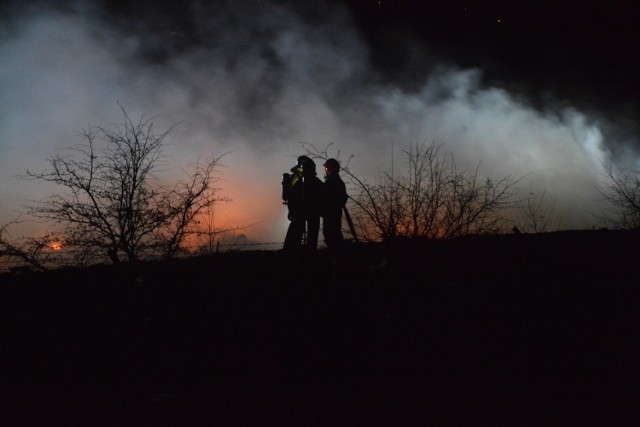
x: 486, y: 330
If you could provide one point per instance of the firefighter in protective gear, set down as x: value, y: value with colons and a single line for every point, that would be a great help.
x: 304, y: 198
x: 290, y: 189
x: 335, y: 200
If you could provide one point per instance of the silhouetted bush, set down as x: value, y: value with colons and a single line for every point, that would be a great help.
x: 623, y: 193
x: 426, y: 197
x: 112, y: 205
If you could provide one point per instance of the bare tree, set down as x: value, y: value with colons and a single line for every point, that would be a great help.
x: 623, y: 193
x: 428, y: 197
x: 113, y: 203
x: 535, y: 213
x: 188, y: 201
x: 34, y: 252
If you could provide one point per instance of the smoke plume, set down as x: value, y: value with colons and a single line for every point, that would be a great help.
x: 255, y: 81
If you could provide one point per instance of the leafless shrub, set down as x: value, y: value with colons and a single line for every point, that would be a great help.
x: 39, y: 253
x: 536, y: 214
x: 623, y: 194
x: 427, y: 197
x: 111, y: 204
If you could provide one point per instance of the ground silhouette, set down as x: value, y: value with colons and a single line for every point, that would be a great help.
x: 487, y: 330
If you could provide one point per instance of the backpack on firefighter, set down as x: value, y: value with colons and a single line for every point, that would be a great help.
x: 292, y: 191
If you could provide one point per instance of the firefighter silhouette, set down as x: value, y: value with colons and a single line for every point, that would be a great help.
x: 302, y: 191
x: 335, y: 195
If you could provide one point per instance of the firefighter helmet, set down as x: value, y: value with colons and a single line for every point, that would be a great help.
x: 308, y: 167
x: 332, y: 165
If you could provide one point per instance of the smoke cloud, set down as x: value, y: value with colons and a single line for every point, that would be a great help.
x: 255, y: 83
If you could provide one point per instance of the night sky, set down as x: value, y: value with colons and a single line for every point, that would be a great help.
x: 581, y: 52
x: 542, y: 90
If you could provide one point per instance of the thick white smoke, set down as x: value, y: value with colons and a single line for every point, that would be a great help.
x: 255, y: 85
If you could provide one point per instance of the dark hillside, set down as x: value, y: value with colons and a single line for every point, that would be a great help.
x: 493, y: 330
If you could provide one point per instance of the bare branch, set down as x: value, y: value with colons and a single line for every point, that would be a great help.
x: 110, y: 203
x: 623, y: 193
x: 427, y: 197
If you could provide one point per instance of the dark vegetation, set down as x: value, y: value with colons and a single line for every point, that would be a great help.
x: 426, y: 196
x: 538, y: 329
x: 111, y: 202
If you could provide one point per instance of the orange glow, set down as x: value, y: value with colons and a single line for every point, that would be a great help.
x: 56, y: 246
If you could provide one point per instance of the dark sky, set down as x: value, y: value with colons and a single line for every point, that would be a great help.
x: 585, y: 52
